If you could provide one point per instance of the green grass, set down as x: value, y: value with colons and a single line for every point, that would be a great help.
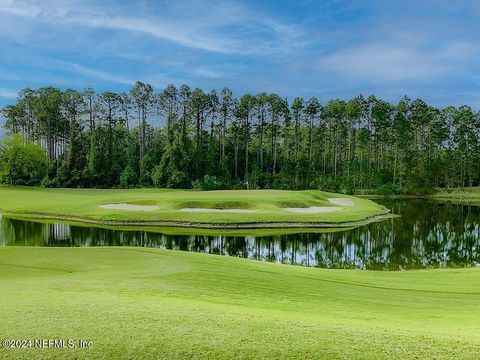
x: 135, y: 303
x: 82, y: 204
x: 469, y: 195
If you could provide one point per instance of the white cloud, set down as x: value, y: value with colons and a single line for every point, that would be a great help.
x: 167, y: 32
x: 8, y: 93
x: 199, y: 31
x: 208, y: 73
x: 393, y: 61
x: 96, y: 74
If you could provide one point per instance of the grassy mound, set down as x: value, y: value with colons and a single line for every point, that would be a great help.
x: 135, y: 303
x: 83, y: 205
x: 220, y: 205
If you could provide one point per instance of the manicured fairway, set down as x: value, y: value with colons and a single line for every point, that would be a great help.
x: 135, y: 303
x: 255, y: 208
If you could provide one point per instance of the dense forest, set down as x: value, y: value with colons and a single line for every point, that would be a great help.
x: 184, y: 138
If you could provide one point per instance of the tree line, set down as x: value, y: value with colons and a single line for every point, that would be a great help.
x: 184, y: 138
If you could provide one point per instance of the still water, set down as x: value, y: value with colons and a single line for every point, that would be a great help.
x: 426, y: 235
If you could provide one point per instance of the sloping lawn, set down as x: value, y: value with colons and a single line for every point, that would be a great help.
x: 135, y: 303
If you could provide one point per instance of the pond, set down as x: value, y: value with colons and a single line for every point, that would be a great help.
x: 427, y: 234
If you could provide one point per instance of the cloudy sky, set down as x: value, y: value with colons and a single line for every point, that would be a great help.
x: 328, y: 49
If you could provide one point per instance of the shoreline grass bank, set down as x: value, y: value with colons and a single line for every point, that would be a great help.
x: 467, y: 195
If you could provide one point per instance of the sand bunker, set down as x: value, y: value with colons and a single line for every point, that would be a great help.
x: 217, y: 210
x: 323, y: 209
x: 131, y: 207
x: 313, y: 209
x: 341, y: 201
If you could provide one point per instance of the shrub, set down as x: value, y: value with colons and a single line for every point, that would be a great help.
x: 128, y: 178
x: 208, y: 183
x: 22, y: 163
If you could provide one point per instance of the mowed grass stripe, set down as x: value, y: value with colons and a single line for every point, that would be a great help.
x: 149, y: 303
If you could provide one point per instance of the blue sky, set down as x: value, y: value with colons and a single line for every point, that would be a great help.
x: 328, y: 49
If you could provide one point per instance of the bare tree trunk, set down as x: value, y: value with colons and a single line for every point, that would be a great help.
x: 261, y: 142
x: 310, y: 142
x: 246, y: 148
x: 236, y: 158
x: 395, y: 164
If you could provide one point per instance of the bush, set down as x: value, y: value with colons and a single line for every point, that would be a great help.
x: 177, y: 179
x: 208, y: 183
x: 22, y: 163
x: 157, y: 176
x: 128, y: 178
x: 390, y: 189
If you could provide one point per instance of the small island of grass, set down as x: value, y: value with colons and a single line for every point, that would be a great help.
x: 183, y: 208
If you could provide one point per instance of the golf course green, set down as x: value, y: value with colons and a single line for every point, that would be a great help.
x: 142, y: 303
x: 162, y: 207
x: 135, y: 303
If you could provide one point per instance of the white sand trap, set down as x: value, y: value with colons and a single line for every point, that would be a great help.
x: 131, y: 207
x: 313, y: 209
x: 341, y: 201
x: 217, y: 210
